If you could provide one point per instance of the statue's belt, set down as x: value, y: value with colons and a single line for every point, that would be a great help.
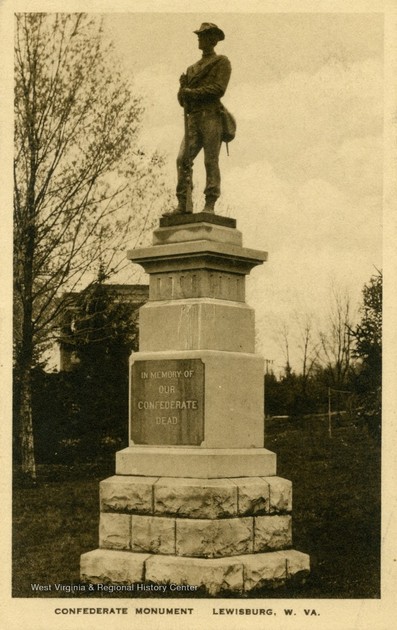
x: 213, y: 107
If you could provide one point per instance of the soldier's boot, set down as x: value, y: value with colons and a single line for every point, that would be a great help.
x: 180, y: 209
x: 209, y: 205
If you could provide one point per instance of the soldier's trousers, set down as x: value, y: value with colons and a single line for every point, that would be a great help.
x: 205, y: 132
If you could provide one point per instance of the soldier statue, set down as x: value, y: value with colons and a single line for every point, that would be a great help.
x: 201, y: 88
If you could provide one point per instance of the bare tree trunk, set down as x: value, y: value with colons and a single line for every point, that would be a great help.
x: 23, y: 401
x: 24, y: 361
x: 28, y: 463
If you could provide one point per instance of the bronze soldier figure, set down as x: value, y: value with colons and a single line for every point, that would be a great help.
x: 201, y: 88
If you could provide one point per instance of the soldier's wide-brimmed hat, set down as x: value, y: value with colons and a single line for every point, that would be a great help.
x: 208, y: 26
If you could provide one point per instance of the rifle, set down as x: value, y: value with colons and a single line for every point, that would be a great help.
x: 187, y: 160
x: 188, y: 163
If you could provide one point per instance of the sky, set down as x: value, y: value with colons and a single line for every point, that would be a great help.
x: 304, y: 174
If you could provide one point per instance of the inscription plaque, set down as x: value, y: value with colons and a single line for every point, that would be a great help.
x: 167, y: 402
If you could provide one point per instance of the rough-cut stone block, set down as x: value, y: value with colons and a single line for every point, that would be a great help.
x: 272, y: 533
x: 235, y: 574
x: 152, y: 533
x: 102, y: 566
x: 216, y: 575
x: 280, y: 494
x: 114, y: 531
x: 214, y: 538
x: 298, y: 563
x: 127, y: 494
x: 264, y: 569
x: 195, y: 498
x: 253, y: 495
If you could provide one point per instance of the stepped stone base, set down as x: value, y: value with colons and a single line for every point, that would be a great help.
x: 236, y: 574
x: 196, y: 498
x: 227, y: 534
x: 203, y: 538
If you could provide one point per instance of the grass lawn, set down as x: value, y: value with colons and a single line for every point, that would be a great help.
x: 336, y: 516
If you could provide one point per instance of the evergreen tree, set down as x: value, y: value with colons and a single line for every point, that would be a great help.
x: 368, y: 349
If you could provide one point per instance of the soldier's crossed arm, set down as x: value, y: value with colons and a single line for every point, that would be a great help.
x: 215, y: 82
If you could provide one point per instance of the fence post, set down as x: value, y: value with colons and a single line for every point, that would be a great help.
x: 329, y: 413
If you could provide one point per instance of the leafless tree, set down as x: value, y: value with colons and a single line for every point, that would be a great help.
x: 282, y: 338
x: 307, y: 342
x: 337, y: 342
x: 81, y: 183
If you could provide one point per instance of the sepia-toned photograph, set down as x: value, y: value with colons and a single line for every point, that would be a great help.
x: 197, y: 302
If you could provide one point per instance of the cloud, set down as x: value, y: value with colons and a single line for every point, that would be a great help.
x: 359, y: 164
x: 311, y: 214
x: 300, y: 123
x: 337, y: 99
x: 328, y: 215
x: 354, y: 165
x: 162, y: 124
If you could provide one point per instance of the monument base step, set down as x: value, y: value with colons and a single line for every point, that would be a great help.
x: 196, y: 498
x: 206, y: 463
x: 237, y: 574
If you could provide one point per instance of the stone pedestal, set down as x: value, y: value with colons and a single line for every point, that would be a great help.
x: 196, y: 500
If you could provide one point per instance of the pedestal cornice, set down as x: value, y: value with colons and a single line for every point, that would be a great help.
x: 197, y: 255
